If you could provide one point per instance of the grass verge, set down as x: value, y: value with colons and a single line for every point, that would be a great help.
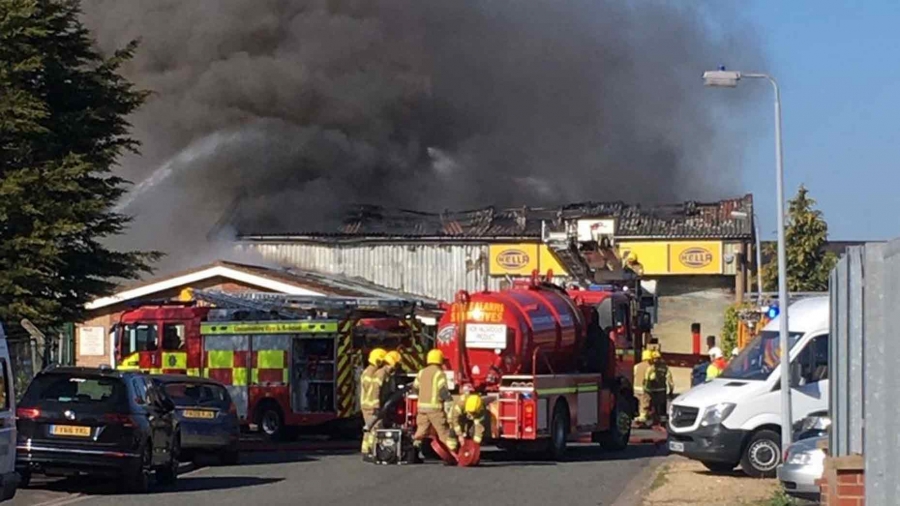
x: 661, y: 478
x: 780, y: 499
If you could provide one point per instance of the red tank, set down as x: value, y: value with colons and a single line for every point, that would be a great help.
x: 487, y: 334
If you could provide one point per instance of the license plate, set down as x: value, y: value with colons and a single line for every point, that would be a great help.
x: 198, y: 413
x: 70, y: 430
x: 675, y: 446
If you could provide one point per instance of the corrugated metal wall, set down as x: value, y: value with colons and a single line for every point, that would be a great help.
x: 433, y: 270
x: 865, y: 294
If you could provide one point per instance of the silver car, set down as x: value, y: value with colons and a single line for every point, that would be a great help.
x: 803, y: 465
x: 207, y: 416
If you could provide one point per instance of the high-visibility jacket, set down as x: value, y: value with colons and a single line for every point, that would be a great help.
x: 431, y: 384
x: 715, y: 369
x: 371, y: 381
x: 658, y: 378
x: 463, y: 422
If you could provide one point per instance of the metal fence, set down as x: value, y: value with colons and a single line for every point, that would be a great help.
x: 863, y: 363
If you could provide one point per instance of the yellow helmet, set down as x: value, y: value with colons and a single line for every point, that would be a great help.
x: 646, y: 355
x: 473, y: 403
x: 376, y: 356
x: 392, y: 358
x: 435, y: 357
x: 656, y: 355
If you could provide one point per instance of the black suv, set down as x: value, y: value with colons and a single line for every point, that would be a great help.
x: 75, y: 420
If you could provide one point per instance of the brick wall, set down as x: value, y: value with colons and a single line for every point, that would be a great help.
x: 843, y: 482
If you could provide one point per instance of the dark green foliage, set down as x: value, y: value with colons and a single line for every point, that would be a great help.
x: 808, y: 264
x: 63, y: 126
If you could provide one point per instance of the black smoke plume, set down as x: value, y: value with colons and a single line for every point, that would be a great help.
x: 278, y: 114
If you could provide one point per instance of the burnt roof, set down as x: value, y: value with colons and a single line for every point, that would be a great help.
x: 688, y: 220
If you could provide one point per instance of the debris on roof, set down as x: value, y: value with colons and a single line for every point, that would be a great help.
x: 689, y: 220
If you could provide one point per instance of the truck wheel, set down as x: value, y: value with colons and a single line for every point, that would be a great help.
x: 619, y: 434
x: 271, y: 422
x: 762, y: 454
x: 559, y: 432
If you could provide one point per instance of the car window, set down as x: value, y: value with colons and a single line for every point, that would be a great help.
x: 88, y: 391
x: 173, y: 336
x: 813, y: 360
x: 193, y: 394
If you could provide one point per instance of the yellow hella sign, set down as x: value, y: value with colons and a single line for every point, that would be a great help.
x: 696, y: 257
x: 513, y: 259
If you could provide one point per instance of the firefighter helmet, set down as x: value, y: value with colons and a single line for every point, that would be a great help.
x: 473, y: 403
x: 646, y: 355
x: 435, y: 357
x: 392, y: 358
x: 655, y: 355
x: 376, y: 356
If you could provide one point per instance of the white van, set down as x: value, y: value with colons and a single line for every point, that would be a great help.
x: 736, y: 418
x: 9, y: 480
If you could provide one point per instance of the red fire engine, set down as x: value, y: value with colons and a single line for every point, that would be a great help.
x: 552, y: 365
x: 286, y: 361
x: 545, y: 362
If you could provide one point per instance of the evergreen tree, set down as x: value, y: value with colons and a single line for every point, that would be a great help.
x: 63, y: 126
x: 808, y: 264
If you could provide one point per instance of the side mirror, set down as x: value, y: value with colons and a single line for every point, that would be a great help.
x: 796, y: 374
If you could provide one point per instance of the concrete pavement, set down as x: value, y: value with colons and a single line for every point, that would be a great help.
x: 589, y: 477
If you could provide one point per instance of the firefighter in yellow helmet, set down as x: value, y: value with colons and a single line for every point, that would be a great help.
x: 431, y: 385
x: 658, y: 384
x: 392, y: 369
x: 644, y: 399
x: 371, y: 381
x: 468, y: 418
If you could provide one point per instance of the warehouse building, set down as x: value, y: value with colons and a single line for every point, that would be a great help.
x: 697, y: 257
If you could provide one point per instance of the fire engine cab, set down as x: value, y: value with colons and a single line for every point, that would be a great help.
x: 287, y: 361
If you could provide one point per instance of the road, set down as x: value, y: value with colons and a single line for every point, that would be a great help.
x: 589, y: 477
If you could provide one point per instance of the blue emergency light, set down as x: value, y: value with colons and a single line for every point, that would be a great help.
x: 601, y: 288
x: 772, y: 312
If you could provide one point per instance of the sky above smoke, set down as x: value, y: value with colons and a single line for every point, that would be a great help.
x: 286, y: 112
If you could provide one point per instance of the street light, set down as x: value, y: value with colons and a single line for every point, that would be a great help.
x: 742, y: 214
x: 729, y: 79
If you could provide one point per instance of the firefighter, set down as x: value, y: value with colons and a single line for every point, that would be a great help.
x: 658, y: 385
x: 389, y: 389
x: 644, y: 399
x: 717, y: 363
x: 468, y: 418
x: 431, y: 385
x: 371, y: 382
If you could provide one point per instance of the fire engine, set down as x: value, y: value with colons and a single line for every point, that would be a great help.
x: 553, y: 365
x: 287, y: 361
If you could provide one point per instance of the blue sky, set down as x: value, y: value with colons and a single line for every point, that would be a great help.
x: 838, y: 65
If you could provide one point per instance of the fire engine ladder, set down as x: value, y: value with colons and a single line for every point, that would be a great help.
x: 300, y: 307
x: 564, y: 246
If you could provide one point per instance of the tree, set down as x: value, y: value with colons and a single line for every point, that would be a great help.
x: 62, y: 129
x: 808, y: 264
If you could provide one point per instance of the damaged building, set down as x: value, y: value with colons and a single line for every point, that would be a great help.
x: 697, y: 257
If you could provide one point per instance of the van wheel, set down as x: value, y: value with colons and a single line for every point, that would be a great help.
x: 762, y: 454
x: 559, y: 432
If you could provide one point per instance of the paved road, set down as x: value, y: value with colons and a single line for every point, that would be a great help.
x: 590, y: 477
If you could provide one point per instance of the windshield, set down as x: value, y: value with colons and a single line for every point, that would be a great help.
x: 759, y: 358
x: 138, y: 337
x: 197, y: 394
x: 85, y: 391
